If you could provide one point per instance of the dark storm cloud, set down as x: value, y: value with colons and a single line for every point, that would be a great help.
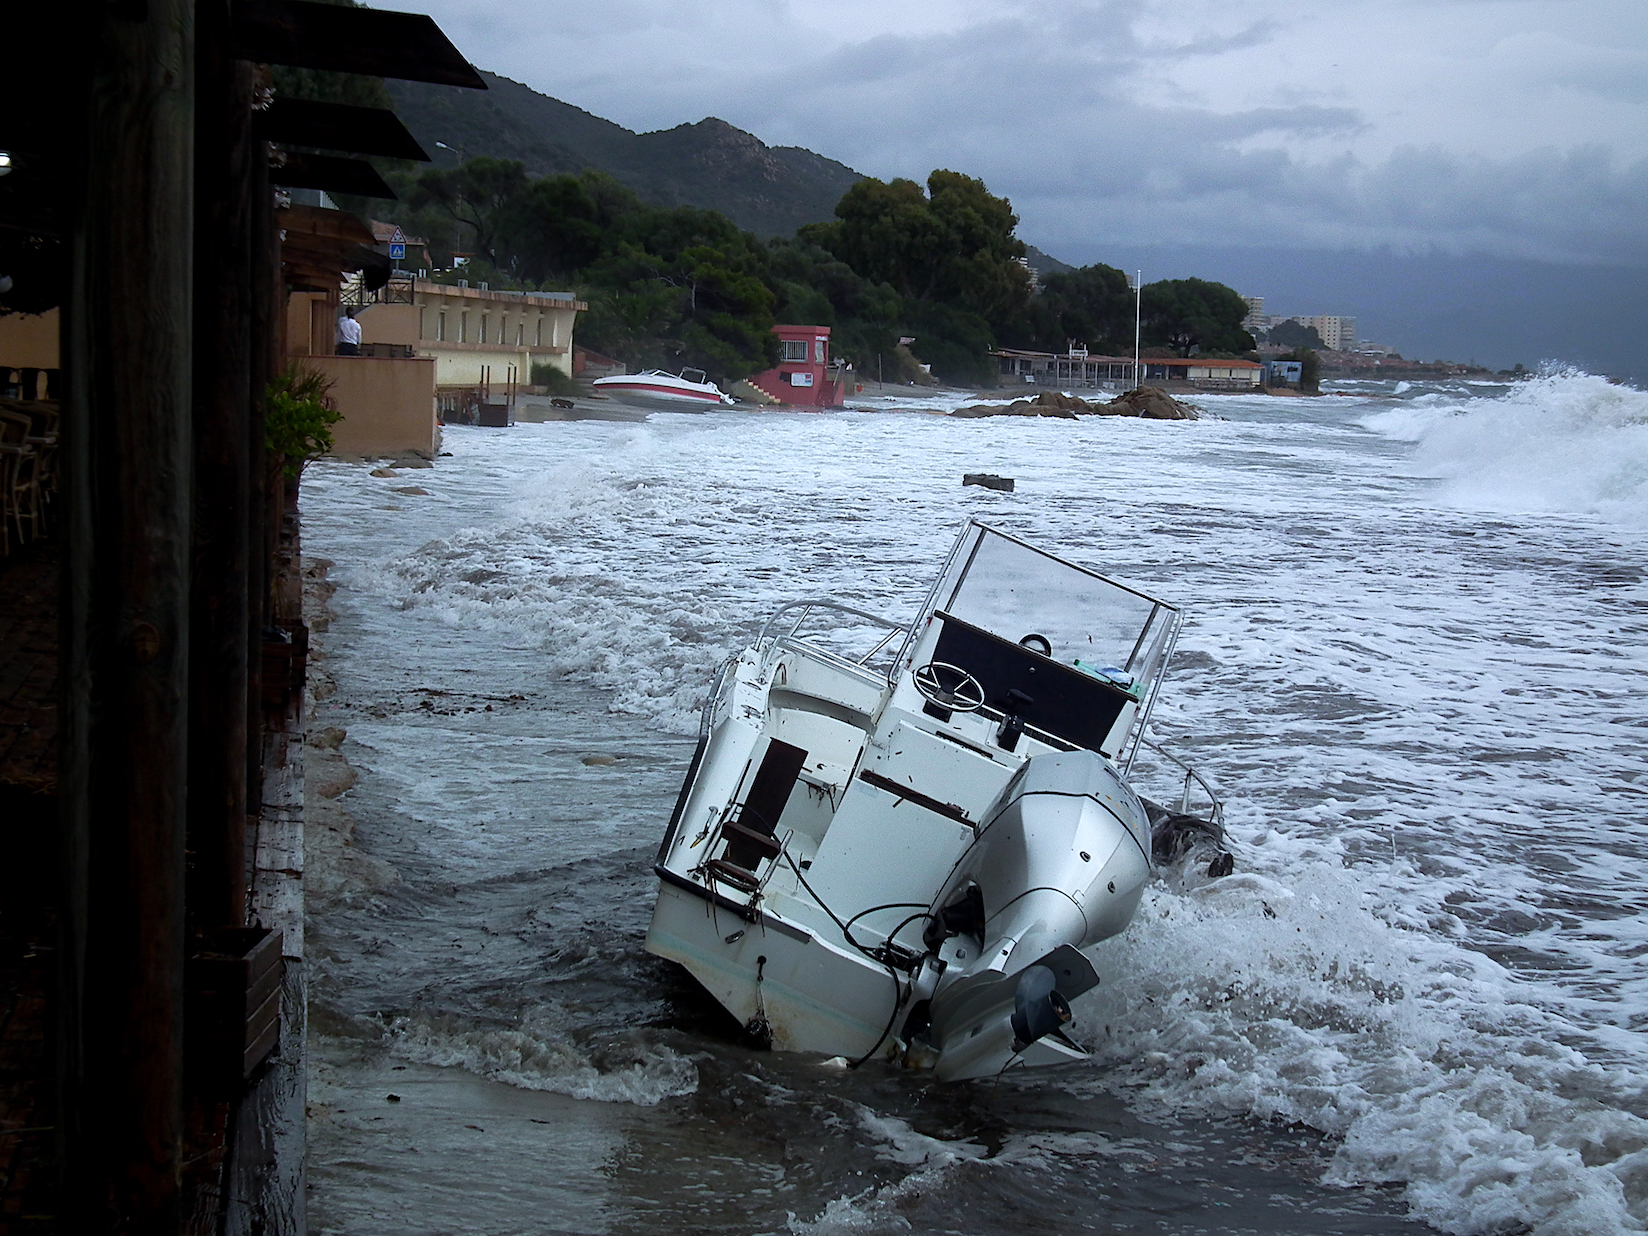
x: 1509, y: 128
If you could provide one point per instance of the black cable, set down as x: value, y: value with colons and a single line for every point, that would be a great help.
x: 898, y: 991
x: 846, y: 934
x: 891, y: 905
x: 821, y: 903
x: 898, y: 1002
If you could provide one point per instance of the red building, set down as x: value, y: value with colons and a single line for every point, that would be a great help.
x: 805, y: 378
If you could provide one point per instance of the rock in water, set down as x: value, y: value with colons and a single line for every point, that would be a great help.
x: 1048, y: 403
x: 1152, y: 403
x: 989, y: 481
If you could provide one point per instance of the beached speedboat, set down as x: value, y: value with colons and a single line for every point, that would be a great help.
x: 904, y: 850
x: 690, y: 386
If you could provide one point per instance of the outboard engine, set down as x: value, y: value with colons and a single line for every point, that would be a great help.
x: 1062, y: 859
x: 1060, y: 864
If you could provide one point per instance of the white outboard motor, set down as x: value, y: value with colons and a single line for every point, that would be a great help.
x: 1060, y: 864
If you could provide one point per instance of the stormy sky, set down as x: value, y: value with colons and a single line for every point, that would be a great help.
x: 1514, y: 131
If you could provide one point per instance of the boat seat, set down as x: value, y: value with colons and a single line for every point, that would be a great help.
x: 721, y: 869
x: 759, y: 813
x: 748, y: 841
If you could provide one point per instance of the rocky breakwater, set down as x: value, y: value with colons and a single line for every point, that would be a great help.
x: 1150, y: 402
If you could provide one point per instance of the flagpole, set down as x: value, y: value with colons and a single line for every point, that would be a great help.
x: 1138, y: 302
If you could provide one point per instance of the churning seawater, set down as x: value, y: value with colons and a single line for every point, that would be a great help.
x: 1414, y: 663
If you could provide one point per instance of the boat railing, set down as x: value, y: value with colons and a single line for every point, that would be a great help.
x: 1191, y: 777
x: 773, y: 636
x: 717, y: 689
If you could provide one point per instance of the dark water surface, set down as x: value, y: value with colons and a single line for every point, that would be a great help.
x: 1417, y: 995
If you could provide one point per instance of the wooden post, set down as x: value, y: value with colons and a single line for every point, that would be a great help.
x: 126, y: 367
x: 218, y: 624
x: 268, y: 330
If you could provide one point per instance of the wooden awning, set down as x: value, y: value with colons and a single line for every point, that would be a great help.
x: 317, y: 246
x: 344, y: 39
x: 337, y: 126
x: 334, y: 175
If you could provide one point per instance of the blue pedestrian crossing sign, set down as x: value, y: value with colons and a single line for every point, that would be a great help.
x: 397, y: 246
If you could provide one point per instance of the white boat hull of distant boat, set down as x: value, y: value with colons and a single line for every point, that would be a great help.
x: 690, y: 386
x: 908, y: 860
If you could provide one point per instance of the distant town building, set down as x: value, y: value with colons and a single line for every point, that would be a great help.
x: 1255, y: 323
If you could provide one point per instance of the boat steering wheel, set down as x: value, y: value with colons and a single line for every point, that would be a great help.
x: 949, y: 686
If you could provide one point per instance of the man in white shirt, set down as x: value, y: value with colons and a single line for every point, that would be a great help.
x: 348, y: 334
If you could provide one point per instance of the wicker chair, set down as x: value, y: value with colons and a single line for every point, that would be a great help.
x: 19, y: 477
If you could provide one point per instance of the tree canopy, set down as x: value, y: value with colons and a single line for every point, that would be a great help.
x: 948, y: 252
x: 1291, y: 334
x: 1193, y: 315
x: 1091, y: 306
x: 666, y: 286
x: 673, y: 286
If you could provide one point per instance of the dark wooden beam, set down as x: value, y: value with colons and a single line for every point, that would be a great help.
x: 299, y: 220
x: 127, y: 461
x: 337, y: 126
x: 268, y: 334
x: 376, y: 42
x: 222, y: 416
x: 334, y: 175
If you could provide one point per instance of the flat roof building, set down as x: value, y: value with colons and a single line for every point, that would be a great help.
x: 1077, y: 368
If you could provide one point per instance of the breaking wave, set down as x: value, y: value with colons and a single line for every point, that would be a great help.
x: 1564, y: 441
x: 1294, y: 1002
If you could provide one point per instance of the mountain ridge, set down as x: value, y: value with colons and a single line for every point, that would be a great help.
x: 769, y: 190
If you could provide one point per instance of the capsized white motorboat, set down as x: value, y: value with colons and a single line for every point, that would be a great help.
x: 906, y: 851
x: 689, y: 386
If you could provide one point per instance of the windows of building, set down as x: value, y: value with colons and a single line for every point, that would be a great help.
x: 540, y: 342
x: 520, y: 334
x: 795, y: 350
x: 818, y: 351
x: 463, y: 328
x: 440, y: 325
x: 483, y: 327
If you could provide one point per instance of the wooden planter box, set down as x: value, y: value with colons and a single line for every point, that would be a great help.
x: 232, y: 984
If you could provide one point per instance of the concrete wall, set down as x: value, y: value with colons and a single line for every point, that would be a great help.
x: 388, y: 405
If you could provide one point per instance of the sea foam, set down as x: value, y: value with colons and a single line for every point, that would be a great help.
x: 1564, y: 441
x: 540, y: 1055
x: 1291, y: 1000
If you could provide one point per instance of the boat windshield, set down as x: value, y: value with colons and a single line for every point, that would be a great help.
x: 1020, y: 594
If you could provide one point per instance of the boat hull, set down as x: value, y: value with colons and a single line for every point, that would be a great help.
x: 660, y: 392
x: 776, y: 973
x: 804, y: 994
